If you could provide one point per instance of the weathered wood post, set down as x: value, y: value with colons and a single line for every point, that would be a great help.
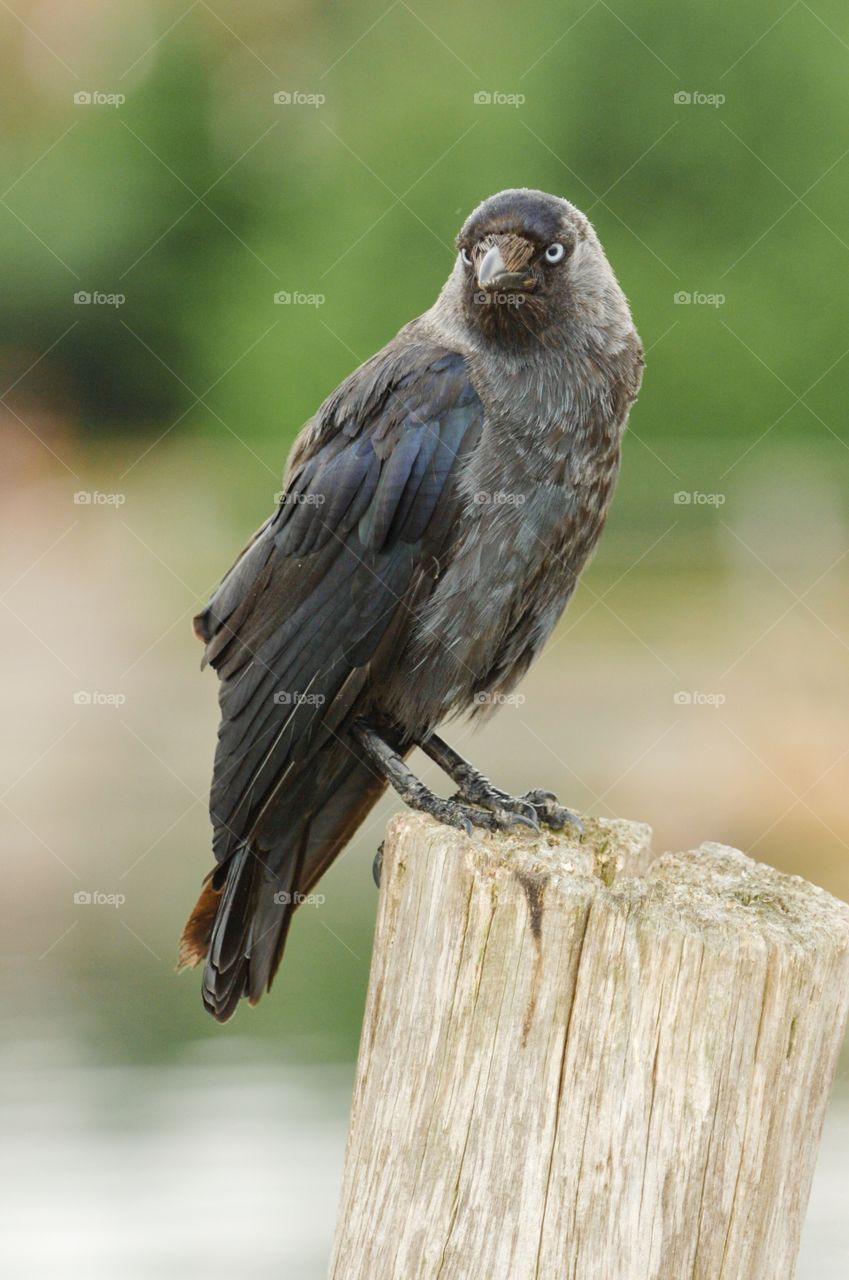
x: 579, y: 1063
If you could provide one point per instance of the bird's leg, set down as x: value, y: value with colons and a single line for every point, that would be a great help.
x: 539, y: 806
x: 389, y: 765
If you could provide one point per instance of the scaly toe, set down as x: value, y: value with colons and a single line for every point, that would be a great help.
x: 554, y: 815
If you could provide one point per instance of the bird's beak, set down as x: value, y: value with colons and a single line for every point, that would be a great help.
x: 506, y: 265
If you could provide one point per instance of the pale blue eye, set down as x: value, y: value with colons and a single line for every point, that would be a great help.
x: 466, y: 256
x: 555, y: 252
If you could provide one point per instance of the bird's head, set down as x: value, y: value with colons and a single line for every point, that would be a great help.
x: 529, y: 262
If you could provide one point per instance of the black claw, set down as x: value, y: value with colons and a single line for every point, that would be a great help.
x: 558, y: 818
x: 554, y: 820
x: 540, y: 798
x: 377, y: 865
x: 548, y: 810
x: 519, y: 819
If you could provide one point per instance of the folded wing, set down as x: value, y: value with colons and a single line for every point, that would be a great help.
x: 332, y: 578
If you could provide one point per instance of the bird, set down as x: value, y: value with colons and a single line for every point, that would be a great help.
x: 435, y: 516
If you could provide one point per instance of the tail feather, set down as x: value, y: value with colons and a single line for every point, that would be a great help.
x: 224, y: 976
x: 194, y: 942
x: 241, y: 921
x: 229, y: 935
x: 269, y: 929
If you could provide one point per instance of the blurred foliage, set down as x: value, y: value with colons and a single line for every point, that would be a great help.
x: 200, y: 197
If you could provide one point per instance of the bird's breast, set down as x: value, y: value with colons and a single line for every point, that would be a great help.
x: 531, y: 501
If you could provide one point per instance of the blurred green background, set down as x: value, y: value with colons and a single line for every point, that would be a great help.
x: 241, y: 254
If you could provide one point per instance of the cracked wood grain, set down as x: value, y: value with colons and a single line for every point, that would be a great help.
x: 579, y: 1062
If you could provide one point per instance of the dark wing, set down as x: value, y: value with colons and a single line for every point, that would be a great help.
x: 332, y: 577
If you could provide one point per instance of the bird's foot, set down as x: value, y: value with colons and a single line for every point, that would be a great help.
x: 480, y: 793
x: 457, y: 812
x: 533, y: 808
x: 548, y: 810
x: 478, y: 804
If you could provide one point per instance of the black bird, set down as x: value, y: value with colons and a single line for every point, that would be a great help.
x: 436, y: 513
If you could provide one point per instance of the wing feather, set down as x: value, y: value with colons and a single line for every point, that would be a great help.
x: 336, y: 570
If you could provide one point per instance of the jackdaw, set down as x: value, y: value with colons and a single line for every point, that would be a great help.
x: 436, y: 513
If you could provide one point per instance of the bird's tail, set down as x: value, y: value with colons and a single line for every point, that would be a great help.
x: 241, y: 920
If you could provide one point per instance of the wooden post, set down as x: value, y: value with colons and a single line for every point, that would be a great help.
x: 580, y: 1064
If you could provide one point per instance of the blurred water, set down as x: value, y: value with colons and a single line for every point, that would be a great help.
x: 217, y: 1169
x: 167, y: 1173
